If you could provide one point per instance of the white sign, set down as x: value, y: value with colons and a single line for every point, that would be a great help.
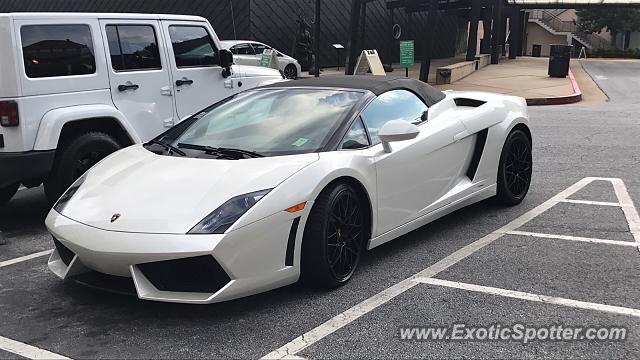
x: 269, y: 59
x: 369, y: 60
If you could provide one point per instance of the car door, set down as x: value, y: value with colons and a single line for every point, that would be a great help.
x: 197, y: 75
x: 139, y: 74
x: 418, y: 172
x: 243, y: 54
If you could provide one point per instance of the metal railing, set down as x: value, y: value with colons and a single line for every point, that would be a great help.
x: 559, y: 25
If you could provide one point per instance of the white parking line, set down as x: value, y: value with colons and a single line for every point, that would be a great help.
x: 574, y: 238
x: 630, y: 211
x: 28, y: 351
x: 588, y: 202
x: 25, y: 258
x: 532, y: 297
x: 314, y: 335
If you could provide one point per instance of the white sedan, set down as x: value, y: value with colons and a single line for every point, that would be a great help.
x: 285, y: 182
x: 247, y: 52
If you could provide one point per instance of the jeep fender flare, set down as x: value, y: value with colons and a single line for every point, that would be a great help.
x: 53, y: 121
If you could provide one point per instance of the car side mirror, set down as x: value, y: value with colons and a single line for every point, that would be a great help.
x: 226, y: 60
x: 396, y: 130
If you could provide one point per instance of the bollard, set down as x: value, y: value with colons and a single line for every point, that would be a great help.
x: 2, y: 240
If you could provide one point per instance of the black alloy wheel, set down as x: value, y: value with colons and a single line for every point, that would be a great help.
x: 344, y: 234
x: 75, y: 158
x: 290, y: 72
x: 515, y: 168
x: 334, y: 237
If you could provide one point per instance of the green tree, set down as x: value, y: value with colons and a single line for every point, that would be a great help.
x: 616, y: 20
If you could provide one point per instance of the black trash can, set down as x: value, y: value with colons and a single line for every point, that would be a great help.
x: 559, y: 57
x: 536, y: 50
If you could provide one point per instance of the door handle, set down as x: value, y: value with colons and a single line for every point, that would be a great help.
x: 128, y: 87
x: 184, y: 82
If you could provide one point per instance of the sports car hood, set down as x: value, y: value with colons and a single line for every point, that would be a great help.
x: 170, y: 195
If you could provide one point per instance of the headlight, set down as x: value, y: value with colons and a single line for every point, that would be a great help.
x: 228, y: 213
x: 64, y: 199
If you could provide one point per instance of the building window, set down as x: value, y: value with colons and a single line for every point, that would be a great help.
x: 133, y: 47
x: 57, y: 50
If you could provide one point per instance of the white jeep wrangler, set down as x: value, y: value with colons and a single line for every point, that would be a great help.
x: 77, y: 87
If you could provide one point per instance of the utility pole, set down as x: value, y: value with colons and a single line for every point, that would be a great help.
x: 316, y: 40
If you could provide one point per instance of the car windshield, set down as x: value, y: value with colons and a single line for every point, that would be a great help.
x: 267, y: 122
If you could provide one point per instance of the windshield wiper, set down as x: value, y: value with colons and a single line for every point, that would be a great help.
x: 170, y: 148
x: 220, y: 150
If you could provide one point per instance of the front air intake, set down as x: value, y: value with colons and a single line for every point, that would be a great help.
x: 201, y: 274
x: 65, y: 254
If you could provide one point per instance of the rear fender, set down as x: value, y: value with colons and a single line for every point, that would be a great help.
x: 54, y: 120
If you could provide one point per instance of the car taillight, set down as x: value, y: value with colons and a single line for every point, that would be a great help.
x: 9, y: 113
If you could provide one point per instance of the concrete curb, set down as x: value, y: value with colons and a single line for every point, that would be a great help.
x: 560, y: 100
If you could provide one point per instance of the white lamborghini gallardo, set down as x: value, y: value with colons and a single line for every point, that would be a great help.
x: 290, y: 181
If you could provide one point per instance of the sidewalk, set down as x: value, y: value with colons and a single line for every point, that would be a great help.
x: 526, y: 77
x: 414, y: 72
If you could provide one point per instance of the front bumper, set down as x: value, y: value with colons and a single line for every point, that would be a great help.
x: 182, y: 268
x: 25, y: 166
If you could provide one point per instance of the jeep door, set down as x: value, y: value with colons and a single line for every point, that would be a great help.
x: 139, y: 74
x: 196, y: 72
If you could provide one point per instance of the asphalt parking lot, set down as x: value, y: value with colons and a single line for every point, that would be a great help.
x: 567, y: 255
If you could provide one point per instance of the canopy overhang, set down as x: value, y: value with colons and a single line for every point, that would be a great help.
x: 570, y: 4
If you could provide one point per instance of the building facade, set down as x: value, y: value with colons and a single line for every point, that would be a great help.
x: 275, y: 22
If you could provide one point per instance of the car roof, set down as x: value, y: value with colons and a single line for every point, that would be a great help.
x: 236, y: 42
x: 375, y: 84
x: 124, y: 16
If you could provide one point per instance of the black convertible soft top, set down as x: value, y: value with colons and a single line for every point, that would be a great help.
x: 375, y: 84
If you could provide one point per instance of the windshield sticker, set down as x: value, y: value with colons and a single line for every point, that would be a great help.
x: 300, y: 142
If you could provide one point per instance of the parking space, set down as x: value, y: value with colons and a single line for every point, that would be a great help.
x: 376, y: 335
x: 22, y: 225
x: 556, y: 270
x: 498, y: 278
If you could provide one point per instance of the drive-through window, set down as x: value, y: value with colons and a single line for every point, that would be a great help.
x: 192, y: 46
x: 133, y: 47
x: 57, y: 50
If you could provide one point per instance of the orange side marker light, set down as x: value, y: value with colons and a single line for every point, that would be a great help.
x: 296, y: 208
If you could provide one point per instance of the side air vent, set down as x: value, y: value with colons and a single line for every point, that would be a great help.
x: 65, y: 254
x: 468, y: 102
x: 481, y: 139
x: 200, y: 274
x: 291, y: 243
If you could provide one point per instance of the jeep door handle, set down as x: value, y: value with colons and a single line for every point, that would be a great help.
x: 184, y: 82
x: 128, y: 87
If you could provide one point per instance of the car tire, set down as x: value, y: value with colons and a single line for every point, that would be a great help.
x: 333, y: 239
x: 514, y: 169
x: 75, y: 158
x: 291, y: 72
x: 6, y: 193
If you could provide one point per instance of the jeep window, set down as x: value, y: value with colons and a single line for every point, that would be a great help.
x: 57, y: 50
x: 192, y: 46
x: 133, y: 47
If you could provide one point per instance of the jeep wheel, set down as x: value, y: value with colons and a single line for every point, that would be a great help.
x: 74, y: 159
x: 6, y: 193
